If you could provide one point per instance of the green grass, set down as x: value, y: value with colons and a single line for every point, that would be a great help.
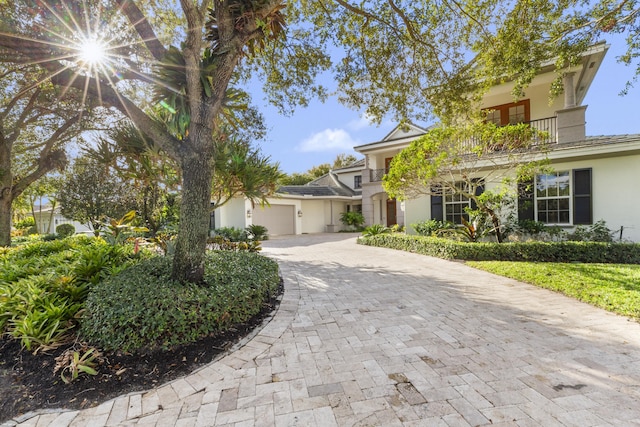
x: 614, y: 287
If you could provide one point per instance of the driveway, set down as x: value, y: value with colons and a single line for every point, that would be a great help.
x: 374, y: 337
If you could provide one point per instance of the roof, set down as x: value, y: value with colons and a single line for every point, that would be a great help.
x: 326, y: 185
x: 358, y: 164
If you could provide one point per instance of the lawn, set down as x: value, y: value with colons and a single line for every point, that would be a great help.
x: 614, y: 287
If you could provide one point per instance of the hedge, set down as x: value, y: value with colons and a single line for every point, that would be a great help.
x: 142, y: 309
x: 588, y: 252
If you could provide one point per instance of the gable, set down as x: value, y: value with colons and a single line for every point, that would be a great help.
x: 404, y: 131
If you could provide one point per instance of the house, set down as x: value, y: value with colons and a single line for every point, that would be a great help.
x: 48, y: 218
x: 594, y: 177
x: 298, y: 209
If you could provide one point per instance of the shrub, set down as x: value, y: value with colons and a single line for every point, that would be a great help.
x: 375, y: 229
x: 352, y: 219
x: 257, y: 232
x: 49, y: 237
x: 530, y: 226
x: 431, y: 227
x: 598, y: 232
x: 232, y: 234
x: 28, y: 222
x: 142, y: 308
x: 65, y: 230
x: 589, y: 252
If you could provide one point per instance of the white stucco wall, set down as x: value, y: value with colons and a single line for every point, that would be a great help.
x: 347, y: 178
x: 614, y: 194
x: 313, y: 216
x: 233, y: 214
x: 537, y: 93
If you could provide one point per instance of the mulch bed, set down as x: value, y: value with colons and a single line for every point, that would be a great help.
x: 28, y: 382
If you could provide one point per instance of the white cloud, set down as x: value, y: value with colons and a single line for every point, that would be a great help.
x: 328, y: 140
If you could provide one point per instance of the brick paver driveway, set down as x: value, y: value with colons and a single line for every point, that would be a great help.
x: 375, y: 337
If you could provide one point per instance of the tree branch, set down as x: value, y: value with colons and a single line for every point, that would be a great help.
x: 143, y: 28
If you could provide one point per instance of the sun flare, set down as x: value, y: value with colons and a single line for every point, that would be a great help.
x: 92, y: 52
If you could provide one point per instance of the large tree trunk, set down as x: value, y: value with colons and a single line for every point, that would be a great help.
x: 5, y: 218
x: 6, y: 191
x: 193, y: 229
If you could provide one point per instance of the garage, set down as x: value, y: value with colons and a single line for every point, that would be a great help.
x: 279, y: 219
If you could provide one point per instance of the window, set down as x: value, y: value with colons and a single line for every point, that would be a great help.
x: 450, y: 206
x: 563, y: 198
x: 505, y: 114
x: 454, y: 205
x: 357, y: 181
x: 553, y: 198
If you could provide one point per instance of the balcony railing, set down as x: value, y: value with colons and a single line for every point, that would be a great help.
x: 375, y: 175
x: 547, y: 125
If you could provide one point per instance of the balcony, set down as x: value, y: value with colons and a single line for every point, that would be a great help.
x: 547, y: 125
x: 375, y: 175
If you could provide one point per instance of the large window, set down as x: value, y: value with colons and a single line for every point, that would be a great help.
x: 455, y: 203
x: 505, y: 114
x: 553, y: 198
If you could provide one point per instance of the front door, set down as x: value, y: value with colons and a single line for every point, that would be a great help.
x: 391, y: 212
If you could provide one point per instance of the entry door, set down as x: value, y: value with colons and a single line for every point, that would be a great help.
x: 391, y: 212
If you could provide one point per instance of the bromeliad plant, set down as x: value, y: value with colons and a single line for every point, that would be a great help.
x: 71, y: 363
x: 117, y: 231
x: 44, y: 285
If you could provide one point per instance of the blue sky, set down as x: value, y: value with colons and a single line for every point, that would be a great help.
x: 318, y: 133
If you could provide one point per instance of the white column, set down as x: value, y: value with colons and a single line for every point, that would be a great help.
x: 569, y: 91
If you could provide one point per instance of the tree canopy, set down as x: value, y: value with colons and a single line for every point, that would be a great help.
x: 406, y: 59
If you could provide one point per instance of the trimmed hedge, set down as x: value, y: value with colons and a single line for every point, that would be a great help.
x: 142, y: 309
x: 589, y: 252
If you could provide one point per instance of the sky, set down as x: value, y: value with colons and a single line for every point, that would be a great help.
x: 318, y: 133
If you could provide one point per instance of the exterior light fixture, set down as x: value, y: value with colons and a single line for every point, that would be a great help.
x: 299, y: 213
x: 248, y: 213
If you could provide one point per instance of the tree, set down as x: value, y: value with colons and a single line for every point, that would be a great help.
x: 190, y: 81
x: 139, y: 162
x: 46, y: 187
x: 242, y: 170
x: 462, y: 161
x: 91, y: 193
x: 408, y: 59
x: 418, y: 59
x: 341, y: 160
x: 34, y: 129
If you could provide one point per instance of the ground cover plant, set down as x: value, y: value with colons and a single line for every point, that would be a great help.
x: 83, y: 320
x: 613, y: 287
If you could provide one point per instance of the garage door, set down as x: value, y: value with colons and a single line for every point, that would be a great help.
x: 279, y: 219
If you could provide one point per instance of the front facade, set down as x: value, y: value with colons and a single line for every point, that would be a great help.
x: 298, y: 209
x: 593, y: 178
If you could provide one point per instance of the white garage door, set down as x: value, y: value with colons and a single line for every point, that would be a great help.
x: 279, y: 219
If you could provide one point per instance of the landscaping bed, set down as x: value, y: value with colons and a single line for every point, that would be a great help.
x: 83, y: 321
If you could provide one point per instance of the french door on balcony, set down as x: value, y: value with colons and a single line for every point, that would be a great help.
x: 509, y: 114
x: 391, y: 212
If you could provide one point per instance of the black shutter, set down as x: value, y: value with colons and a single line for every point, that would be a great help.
x: 437, y: 211
x: 479, y: 191
x: 582, y: 199
x: 525, y: 201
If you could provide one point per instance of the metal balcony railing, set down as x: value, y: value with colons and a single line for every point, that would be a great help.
x: 375, y: 175
x: 548, y: 126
